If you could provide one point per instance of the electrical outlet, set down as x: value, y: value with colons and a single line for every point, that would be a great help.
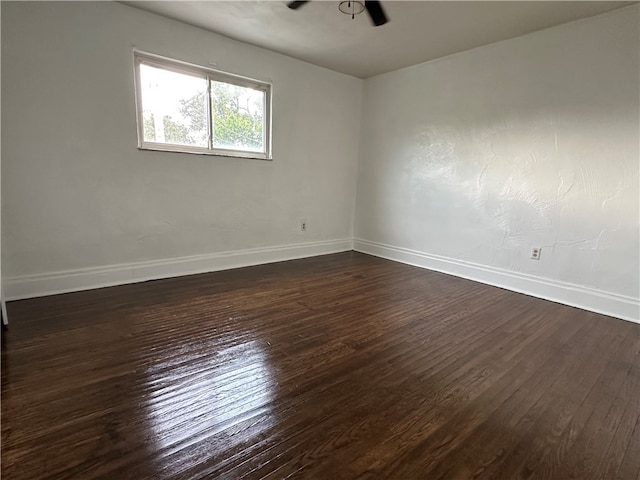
x: 535, y: 253
x: 303, y: 224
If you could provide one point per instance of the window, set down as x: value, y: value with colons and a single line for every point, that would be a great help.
x: 186, y: 108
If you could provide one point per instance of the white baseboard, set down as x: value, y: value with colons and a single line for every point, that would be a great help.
x: 39, y: 285
x: 598, y: 301
x: 620, y: 306
x: 3, y: 307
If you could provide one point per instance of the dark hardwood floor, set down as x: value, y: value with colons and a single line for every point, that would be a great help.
x: 340, y: 366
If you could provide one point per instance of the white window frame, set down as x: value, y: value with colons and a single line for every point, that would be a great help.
x: 209, y: 74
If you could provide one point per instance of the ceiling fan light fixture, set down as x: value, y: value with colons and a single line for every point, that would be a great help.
x: 351, y: 7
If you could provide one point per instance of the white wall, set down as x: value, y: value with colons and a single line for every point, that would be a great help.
x: 468, y: 162
x: 2, y: 300
x: 78, y: 195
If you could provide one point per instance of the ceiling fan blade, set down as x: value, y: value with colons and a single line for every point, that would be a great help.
x: 297, y: 4
x: 375, y: 12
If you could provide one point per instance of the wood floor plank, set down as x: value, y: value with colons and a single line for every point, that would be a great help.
x: 341, y: 366
x: 547, y: 434
x: 621, y: 435
x: 498, y: 428
x: 509, y: 427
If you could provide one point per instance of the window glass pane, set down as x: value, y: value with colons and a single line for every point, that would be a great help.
x: 174, y: 107
x: 238, y: 115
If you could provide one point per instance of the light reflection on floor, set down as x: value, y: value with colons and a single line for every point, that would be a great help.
x: 210, y: 402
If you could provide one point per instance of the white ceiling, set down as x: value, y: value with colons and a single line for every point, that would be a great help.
x: 417, y: 31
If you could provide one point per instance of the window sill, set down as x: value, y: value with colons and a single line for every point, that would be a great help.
x: 206, y: 151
